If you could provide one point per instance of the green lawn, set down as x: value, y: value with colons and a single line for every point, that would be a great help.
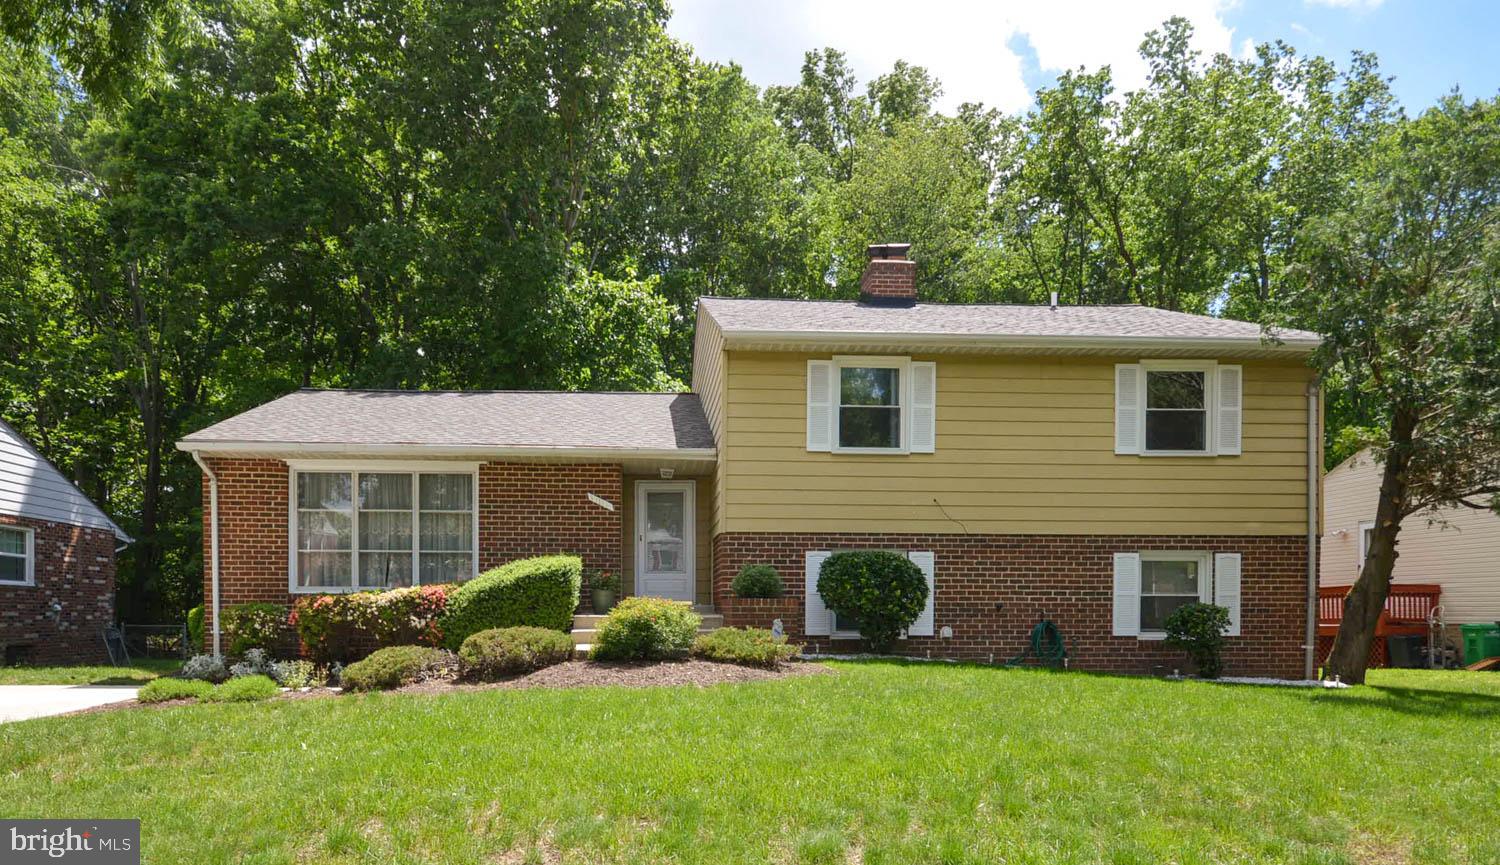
x: 139, y: 672
x: 881, y: 763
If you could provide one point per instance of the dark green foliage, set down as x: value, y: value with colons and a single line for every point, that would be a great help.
x: 255, y: 626
x: 1198, y: 629
x: 195, y: 629
x: 243, y: 689
x: 883, y: 591
x: 163, y: 689
x: 541, y: 592
x: 398, y: 665
x: 758, y: 581
x: 753, y: 647
x: 500, y: 652
x: 646, y: 629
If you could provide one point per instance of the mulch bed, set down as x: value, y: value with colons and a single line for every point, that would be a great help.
x: 586, y: 674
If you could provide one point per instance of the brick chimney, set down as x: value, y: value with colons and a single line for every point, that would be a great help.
x: 890, y: 278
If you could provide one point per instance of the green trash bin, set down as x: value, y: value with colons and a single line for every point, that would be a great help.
x: 1480, y: 641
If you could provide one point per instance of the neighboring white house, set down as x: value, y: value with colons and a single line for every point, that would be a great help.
x: 1460, y: 550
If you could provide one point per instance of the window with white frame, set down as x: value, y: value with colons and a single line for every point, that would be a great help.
x: 16, y: 556
x: 1177, y: 410
x: 1366, y: 535
x: 1170, y: 580
x: 381, y: 529
x: 869, y: 405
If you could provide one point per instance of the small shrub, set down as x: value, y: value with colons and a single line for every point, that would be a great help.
x: 295, y: 674
x: 254, y: 626
x: 195, y: 628
x: 541, y: 592
x: 758, y: 581
x: 1198, y: 629
x: 209, y: 668
x: 164, y: 689
x: 881, y: 590
x: 499, y: 652
x: 607, y: 581
x: 753, y: 647
x: 395, y: 666
x: 646, y: 629
x: 244, y: 690
x: 329, y: 626
x: 255, y: 663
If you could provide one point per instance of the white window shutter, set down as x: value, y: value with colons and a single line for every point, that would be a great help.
x: 923, y: 411
x: 927, y: 561
x: 1129, y: 404
x: 1227, y: 588
x: 1127, y: 595
x: 819, y: 619
x: 819, y: 404
x: 1230, y: 400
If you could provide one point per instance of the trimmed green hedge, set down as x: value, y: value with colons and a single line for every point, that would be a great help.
x: 646, y: 629
x: 881, y: 590
x: 540, y: 592
x: 396, y: 666
x: 245, y: 689
x: 164, y: 689
x: 255, y: 626
x: 501, y: 652
x: 758, y: 581
x: 753, y: 647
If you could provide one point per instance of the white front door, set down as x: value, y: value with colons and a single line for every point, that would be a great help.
x: 664, y: 539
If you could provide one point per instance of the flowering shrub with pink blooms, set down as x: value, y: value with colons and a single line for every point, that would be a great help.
x: 339, y: 627
x: 407, y: 617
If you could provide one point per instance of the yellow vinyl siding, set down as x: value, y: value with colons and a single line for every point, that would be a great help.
x: 1023, y: 445
x: 703, y: 504
x: 709, y: 364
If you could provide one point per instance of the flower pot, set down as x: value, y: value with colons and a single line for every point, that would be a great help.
x: 604, y: 600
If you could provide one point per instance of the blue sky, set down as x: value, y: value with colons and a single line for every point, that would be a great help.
x: 999, y: 51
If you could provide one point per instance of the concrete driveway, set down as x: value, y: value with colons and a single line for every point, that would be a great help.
x: 18, y: 702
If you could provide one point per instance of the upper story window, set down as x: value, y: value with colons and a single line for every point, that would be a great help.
x: 16, y: 556
x: 871, y: 405
x: 1178, y: 408
x: 869, y: 411
x: 381, y: 529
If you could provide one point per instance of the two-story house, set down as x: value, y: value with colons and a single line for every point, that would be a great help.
x: 1098, y: 466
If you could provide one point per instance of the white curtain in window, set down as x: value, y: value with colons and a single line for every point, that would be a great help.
x: 325, y: 523
x: 447, y: 528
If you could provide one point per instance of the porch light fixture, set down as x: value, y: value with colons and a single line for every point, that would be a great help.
x: 666, y: 474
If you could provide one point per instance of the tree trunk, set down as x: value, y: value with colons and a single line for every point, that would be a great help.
x: 1366, y: 599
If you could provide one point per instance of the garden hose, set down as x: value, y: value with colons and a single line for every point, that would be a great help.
x: 1046, y: 646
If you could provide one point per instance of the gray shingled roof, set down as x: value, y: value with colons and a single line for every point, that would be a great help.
x: 498, y: 419
x: 753, y: 317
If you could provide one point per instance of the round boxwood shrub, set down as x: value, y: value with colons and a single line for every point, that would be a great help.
x: 753, y: 647
x: 1198, y: 629
x: 758, y: 581
x: 500, y: 652
x: 646, y: 629
x: 541, y: 592
x: 883, y: 591
x: 164, y: 689
x: 395, y: 666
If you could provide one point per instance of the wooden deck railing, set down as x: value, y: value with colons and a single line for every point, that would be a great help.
x: 1406, y: 608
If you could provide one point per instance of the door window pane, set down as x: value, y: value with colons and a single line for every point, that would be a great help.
x: 664, y: 532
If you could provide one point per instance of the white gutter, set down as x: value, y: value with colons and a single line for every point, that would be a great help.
x: 409, y: 450
x: 1292, y: 345
x: 1310, y: 635
x: 213, y: 543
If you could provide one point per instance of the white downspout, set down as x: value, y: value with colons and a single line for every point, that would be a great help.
x: 1310, y: 659
x: 213, y: 542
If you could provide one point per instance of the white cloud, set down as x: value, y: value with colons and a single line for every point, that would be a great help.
x: 966, y: 45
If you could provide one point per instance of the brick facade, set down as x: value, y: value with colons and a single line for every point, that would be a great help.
x: 524, y: 510
x: 74, y: 567
x: 1069, y: 578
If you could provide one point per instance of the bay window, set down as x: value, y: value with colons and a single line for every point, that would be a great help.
x: 381, y: 529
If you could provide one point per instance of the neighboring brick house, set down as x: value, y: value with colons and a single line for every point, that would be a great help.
x: 57, y: 562
x: 1094, y: 465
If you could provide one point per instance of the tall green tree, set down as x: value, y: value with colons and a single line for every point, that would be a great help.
x: 1404, y: 281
